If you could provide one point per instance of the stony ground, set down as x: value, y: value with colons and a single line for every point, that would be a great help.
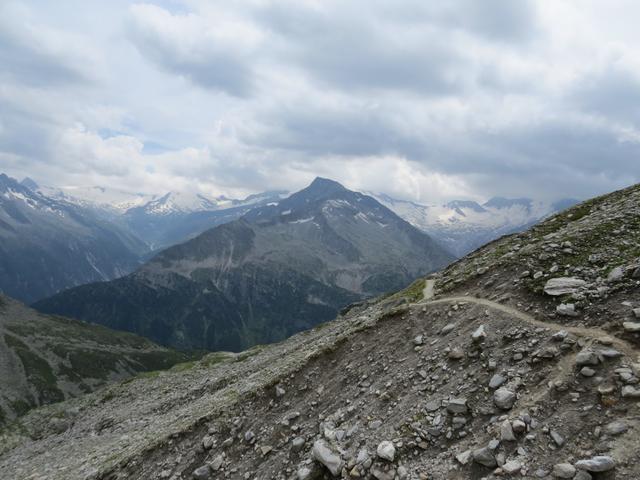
x: 521, y: 362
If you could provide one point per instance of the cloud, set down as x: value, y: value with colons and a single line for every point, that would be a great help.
x: 33, y: 54
x: 213, y: 55
x: 424, y: 100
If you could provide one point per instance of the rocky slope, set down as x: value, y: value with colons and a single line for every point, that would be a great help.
x: 280, y: 269
x: 475, y: 373
x: 48, y: 245
x: 462, y: 226
x: 45, y: 359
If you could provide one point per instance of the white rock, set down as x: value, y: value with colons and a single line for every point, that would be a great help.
x: 563, y: 286
x: 327, y: 457
x: 512, y: 466
x: 564, y: 470
x: 567, y: 310
x: 615, y: 275
x: 479, y: 335
x: 631, y: 327
x: 386, y: 450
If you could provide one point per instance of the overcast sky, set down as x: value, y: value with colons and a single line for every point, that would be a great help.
x: 422, y: 100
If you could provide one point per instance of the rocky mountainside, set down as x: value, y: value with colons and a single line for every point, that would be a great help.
x: 519, y: 361
x: 462, y: 226
x: 47, y: 245
x: 280, y: 269
x: 46, y: 359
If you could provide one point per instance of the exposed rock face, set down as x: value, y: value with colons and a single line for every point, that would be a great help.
x: 280, y: 269
x: 362, y: 380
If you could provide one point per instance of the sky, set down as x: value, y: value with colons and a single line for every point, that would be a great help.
x: 426, y: 101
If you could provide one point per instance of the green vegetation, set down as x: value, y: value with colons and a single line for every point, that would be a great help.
x: 37, y: 370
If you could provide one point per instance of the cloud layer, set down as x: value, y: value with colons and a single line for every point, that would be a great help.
x: 465, y: 99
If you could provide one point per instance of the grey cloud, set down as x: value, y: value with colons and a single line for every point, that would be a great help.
x: 206, y: 63
x: 28, y: 60
x: 613, y: 92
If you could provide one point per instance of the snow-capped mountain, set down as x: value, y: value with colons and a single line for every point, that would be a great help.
x: 251, y: 280
x: 47, y: 244
x: 97, y: 198
x: 463, y: 225
x: 179, y: 216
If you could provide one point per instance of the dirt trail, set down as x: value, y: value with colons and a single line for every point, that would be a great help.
x: 592, y: 333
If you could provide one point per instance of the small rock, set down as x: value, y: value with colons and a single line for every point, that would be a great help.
x: 496, y: 381
x: 447, y: 328
x: 587, y: 357
x: 456, y: 354
x: 504, y: 398
x: 598, y: 463
x: 615, y: 275
x: 563, y: 286
x: 629, y: 392
x: 327, y: 457
x: 557, y: 438
x: 479, y: 335
x: 616, y: 428
x: 386, y: 451
x: 564, y: 470
x: 484, y: 456
x: 631, y: 327
x: 587, y: 372
x: 297, y: 444
x: 511, y: 467
x: 567, y: 310
x: 419, y: 340
x: 506, y: 432
x: 457, y: 405
x: 202, y: 473
x: 464, y: 457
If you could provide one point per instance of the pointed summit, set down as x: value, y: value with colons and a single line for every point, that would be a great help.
x: 30, y: 184
x: 320, y: 189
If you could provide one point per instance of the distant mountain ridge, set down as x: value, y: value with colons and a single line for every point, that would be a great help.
x: 462, y: 225
x: 279, y: 269
x: 47, y: 245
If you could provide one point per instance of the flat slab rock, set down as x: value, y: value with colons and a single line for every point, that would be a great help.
x: 563, y: 286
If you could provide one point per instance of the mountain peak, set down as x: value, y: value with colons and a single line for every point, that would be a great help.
x: 321, y: 188
x: 502, y: 202
x: 29, y: 183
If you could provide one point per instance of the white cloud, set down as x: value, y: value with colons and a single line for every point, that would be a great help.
x: 422, y: 100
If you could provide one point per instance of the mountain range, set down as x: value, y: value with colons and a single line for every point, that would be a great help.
x: 56, y: 238
x: 47, y: 245
x: 518, y: 361
x: 279, y: 269
x: 462, y: 226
